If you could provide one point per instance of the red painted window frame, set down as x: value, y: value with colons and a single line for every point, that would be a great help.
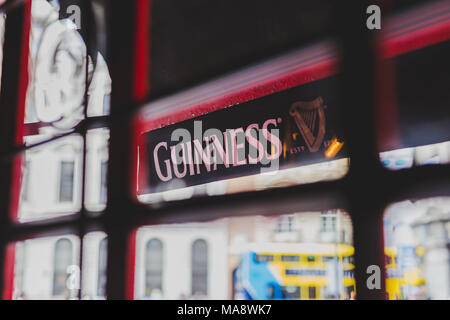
x: 9, y: 262
x: 428, y: 34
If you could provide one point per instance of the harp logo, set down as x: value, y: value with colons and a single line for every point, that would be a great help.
x: 310, y: 120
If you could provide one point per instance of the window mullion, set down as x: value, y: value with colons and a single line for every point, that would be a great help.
x: 14, y: 81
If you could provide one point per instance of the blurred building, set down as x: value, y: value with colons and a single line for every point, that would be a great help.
x: 419, y: 232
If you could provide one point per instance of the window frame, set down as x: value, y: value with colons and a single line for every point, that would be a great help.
x: 130, y: 89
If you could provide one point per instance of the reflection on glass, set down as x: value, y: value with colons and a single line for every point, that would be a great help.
x: 298, y: 256
x: 417, y: 239
x: 58, y: 66
x: 59, y: 71
x: 47, y: 268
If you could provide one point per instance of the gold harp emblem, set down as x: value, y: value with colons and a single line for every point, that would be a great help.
x: 307, y: 116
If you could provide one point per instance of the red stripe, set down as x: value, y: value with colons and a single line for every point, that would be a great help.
x: 418, y: 25
x: 131, y: 266
x: 415, y: 15
x: 21, y: 101
x: 8, y: 272
x: 141, y: 90
x: 418, y: 39
x: 299, y: 77
x: 235, y: 85
x: 17, y: 162
x: 142, y: 51
x: 265, y: 73
x: 239, y: 80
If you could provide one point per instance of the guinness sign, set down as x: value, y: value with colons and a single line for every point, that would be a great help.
x: 286, y: 129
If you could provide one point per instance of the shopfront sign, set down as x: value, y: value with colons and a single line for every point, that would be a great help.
x: 287, y: 129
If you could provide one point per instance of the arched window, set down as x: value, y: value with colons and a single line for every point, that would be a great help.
x: 102, y: 262
x: 199, y: 265
x: 62, y: 260
x: 153, y: 266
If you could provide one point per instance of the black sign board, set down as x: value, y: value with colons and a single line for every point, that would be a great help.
x: 282, y: 130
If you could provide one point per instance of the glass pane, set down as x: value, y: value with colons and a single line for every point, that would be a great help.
x: 57, y: 71
x: 274, y: 124
x: 62, y: 66
x: 298, y: 256
x: 413, y: 117
x: 65, y: 77
x: 47, y: 269
x: 51, y: 179
x: 93, y: 282
x: 417, y: 239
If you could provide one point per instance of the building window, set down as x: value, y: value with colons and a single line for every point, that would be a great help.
x: 290, y: 258
x: 285, y: 224
x: 329, y: 222
x: 264, y: 257
x: 102, y: 261
x: 66, y: 182
x: 271, y: 291
x: 62, y: 260
x: 153, y: 267
x: 290, y: 292
x: 199, y: 268
x: 26, y: 181
x: 107, y: 104
x: 103, y: 186
x: 312, y: 292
